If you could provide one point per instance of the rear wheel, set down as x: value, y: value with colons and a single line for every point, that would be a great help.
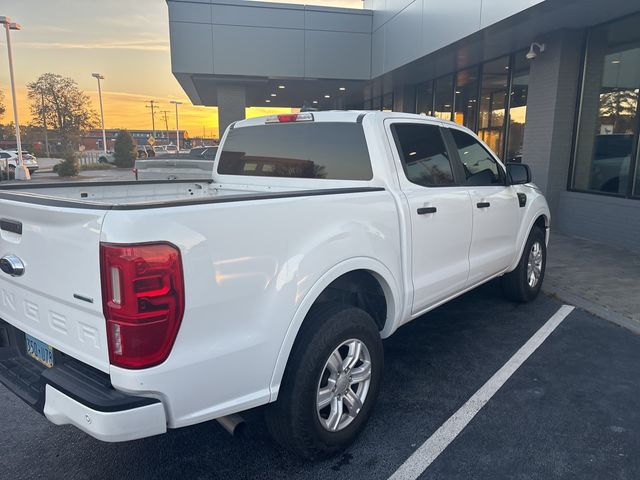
x: 331, y: 382
x: 524, y: 283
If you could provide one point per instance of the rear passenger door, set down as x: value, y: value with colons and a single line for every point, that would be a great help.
x: 439, y: 210
x: 496, y: 215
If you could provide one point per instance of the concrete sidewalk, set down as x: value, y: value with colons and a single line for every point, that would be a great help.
x: 598, y: 278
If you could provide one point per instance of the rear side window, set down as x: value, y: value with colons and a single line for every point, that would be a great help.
x: 329, y: 150
x: 423, y: 153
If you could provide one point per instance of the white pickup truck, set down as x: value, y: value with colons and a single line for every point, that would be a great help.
x: 131, y: 308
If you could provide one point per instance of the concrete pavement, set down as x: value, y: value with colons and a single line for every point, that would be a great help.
x: 601, y: 279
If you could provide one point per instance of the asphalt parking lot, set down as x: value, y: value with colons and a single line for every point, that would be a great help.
x: 570, y: 411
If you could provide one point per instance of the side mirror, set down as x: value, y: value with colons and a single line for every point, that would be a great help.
x: 518, y: 173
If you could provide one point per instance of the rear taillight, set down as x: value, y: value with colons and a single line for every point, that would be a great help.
x: 143, y: 301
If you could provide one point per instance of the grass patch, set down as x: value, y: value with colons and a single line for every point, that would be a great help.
x: 96, y: 166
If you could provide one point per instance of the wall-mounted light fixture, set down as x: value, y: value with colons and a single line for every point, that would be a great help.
x: 531, y: 54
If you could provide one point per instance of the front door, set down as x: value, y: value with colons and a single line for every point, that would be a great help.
x: 439, y: 211
x: 496, y: 212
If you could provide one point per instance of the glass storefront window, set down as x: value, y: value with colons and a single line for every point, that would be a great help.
x: 493, y: 103
x: 517, y: 107
x: 481, y: 99
x: 424, y: 99
x: 466, y: 99
x: 606, y: 148
x: 443, y: 100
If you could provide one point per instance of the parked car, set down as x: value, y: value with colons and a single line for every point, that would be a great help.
x: 10, y: 158
x: 131, y: 309
x: 172, y: 149
x: 145, y: 151
x: 107, y: 157
x: 159, y: 149
x: 200, y: 152
x: 610, y: 166
x: 208, y: 152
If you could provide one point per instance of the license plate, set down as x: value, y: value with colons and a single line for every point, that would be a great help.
x: 39, y: 351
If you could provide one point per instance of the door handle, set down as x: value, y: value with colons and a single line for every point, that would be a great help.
x: 483, y: 205
x: 11, y: 226
x: 425, y: 210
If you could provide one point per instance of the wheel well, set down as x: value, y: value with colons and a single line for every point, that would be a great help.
x: 541, y: 222
x: 361, y: 289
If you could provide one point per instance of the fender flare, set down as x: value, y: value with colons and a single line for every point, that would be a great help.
x: 389, y: 287
x: 534, y: 218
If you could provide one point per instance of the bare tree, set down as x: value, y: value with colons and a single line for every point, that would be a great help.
x: 58, y: 102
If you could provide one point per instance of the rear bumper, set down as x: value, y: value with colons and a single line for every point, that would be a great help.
x: 73, y: 393
x: 116, y: 426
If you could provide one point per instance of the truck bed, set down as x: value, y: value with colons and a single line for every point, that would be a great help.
x: 150, y: 193
x: 118, y: 194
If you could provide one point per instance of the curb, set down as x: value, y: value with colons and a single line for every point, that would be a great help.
x: 594, y: 308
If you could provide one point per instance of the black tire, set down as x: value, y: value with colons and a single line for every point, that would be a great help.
x: 102, y: 160
x: 293, y: 420
x: 515, y: 284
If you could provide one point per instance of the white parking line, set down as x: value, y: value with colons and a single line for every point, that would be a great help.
x: 420, y: 460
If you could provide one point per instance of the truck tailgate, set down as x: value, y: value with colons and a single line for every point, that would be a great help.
x: 58, y: 297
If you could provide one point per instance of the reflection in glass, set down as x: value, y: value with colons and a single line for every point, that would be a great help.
x: 518, y: 108
x: 297, y: 150
x: 605, y: 153
x: 466, y: 99
x: 443, y: 102
x: 424, y: 155
x: 424, y: 99
x: 493, y: 102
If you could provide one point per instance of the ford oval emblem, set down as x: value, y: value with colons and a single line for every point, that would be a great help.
x: 12, y: 265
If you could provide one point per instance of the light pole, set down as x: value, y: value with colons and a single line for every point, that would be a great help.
x: 152, y: 106
x: 21, y: 172
x: 176, y: 103
x: 99, y: 77
x: 166, y: 123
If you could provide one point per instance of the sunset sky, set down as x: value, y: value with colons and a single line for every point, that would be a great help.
x: 125, y: 40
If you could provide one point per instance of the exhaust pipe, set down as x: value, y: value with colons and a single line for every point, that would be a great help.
x: 234, y: 424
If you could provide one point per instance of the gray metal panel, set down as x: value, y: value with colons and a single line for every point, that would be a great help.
x: 377, y: 52
x: 385, y: 10
x: 338, y: 22
x: 191, y: 47
x: 495, y: 10
x: 258, y: 16
x: 394, y: 7
x: 403, y: 36
x: 444, y: 23
x: 380, y: 13
x: 258, y: 51
x: 189, y: 12
x: 338, y: 55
